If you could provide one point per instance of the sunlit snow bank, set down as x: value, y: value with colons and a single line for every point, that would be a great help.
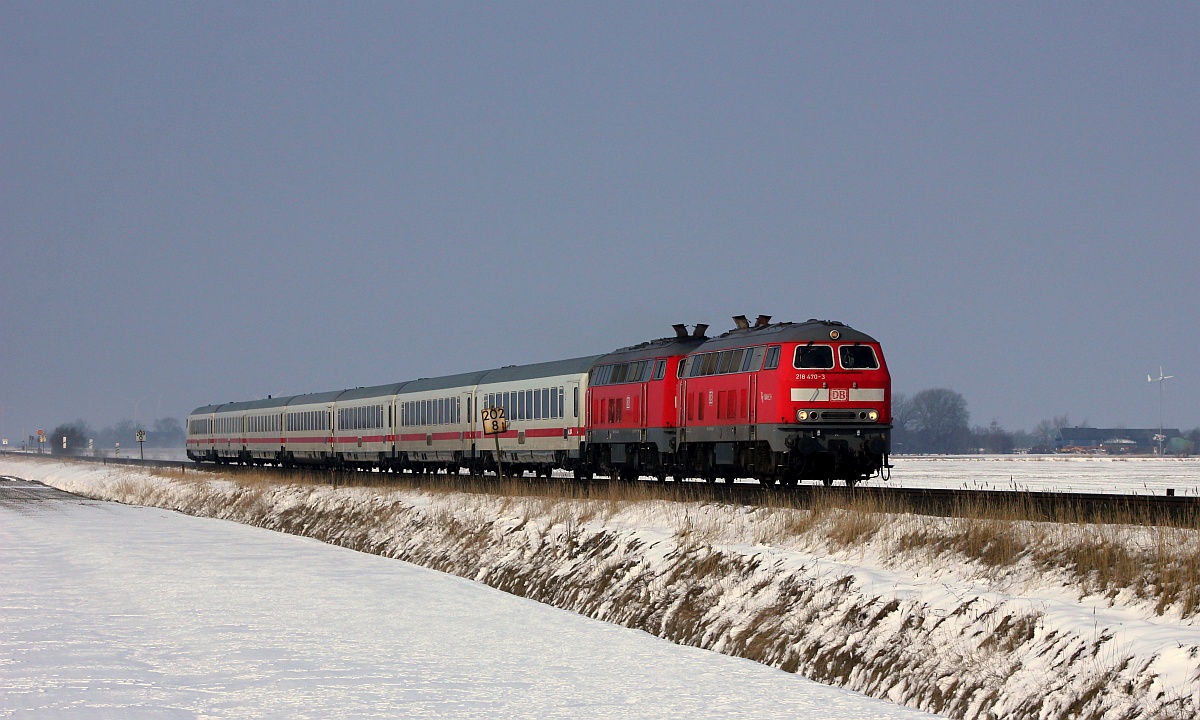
x: 936, y: 634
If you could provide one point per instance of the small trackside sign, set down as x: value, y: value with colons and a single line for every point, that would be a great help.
x: 494, y: 422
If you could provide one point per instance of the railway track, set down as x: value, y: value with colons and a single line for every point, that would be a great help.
x: 1028, y: 505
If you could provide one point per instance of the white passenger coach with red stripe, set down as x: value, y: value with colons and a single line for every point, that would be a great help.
x: 420, y: 425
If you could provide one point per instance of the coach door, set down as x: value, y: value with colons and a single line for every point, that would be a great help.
x: 466, y: 426
x: 330, y: 432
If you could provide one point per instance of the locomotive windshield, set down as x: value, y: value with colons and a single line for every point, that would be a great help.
x: 858, y: 357
x: 815, y: 357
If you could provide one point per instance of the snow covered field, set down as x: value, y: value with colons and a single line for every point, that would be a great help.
x: 111, y: 611
x: 1052, y: 473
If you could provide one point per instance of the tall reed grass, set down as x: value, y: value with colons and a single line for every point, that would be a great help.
x: 1114, y: 553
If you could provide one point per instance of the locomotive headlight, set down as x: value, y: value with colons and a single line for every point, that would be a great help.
x: 873, y: 415
x: 801, y: 415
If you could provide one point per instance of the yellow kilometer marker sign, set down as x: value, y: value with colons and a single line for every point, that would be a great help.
x: 495, y: 424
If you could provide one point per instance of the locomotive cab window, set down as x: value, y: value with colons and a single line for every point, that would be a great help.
x: 814, y: 357
x: 858, y: 357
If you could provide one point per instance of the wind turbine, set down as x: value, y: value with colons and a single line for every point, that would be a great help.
x: 1160, y: 437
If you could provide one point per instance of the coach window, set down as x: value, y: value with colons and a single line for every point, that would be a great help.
x: 575, y: 401
x: 857, y: 357
x: 814, y: 357
x: 772, y: 358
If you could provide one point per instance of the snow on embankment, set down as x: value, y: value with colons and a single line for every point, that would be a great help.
x: 843, y: 598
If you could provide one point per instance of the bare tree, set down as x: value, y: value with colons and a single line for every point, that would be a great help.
x: 76, y: 438
x: 168, y: 432
x: 939, y: 420
x: 1046, y: 431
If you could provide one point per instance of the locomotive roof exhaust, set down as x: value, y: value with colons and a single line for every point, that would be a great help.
x: 741, y: 322
x: 762, y: 321
x: 699, y: 331
x: 680, y: 330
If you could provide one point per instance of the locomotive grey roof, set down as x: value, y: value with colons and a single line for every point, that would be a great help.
x: 444, y: 382
x: 653, y: 349
x: 811, y: 331
x: 547, y: 369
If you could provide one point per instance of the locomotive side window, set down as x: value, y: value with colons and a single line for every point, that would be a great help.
x: 858, y: 357
x: 772, y: 358
x: 753, y: 358
x: 730, y: 361
x: 814, y: 357
x: 660, y: 369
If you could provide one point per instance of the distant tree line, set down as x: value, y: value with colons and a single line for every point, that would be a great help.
x: 162, y: 433
x: 937, y: 421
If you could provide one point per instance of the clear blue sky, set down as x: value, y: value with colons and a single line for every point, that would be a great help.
x: 219, y: 201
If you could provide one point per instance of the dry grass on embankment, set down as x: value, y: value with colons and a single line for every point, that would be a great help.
x: 1121, y: 553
